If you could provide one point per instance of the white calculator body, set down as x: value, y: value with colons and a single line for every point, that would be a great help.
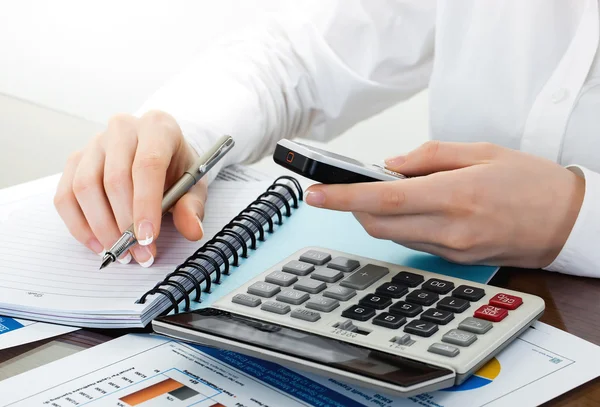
x: 396, y: 329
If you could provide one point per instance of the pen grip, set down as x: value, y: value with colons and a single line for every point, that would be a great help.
x: 176, y: 191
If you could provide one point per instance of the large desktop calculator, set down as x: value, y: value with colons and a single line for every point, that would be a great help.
x: 396, y: 329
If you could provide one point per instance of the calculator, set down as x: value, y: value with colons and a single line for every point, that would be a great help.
x: 399, y: 330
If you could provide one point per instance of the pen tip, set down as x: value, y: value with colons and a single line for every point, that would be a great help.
x: 108, y: 258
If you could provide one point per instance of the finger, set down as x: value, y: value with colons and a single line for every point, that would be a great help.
x: 409, y: 229
x: 68, y: 208
x: 144, y: 255
x: 436, y: 156
x: 157, y: 140
x: 188, y: 212
x: 89, y: 192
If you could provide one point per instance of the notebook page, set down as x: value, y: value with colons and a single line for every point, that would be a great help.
x: 42, y: 266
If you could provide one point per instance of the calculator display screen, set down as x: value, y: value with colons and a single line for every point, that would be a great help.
x: 336, y: 354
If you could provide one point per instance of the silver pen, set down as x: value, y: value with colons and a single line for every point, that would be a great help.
x: 189, y: 178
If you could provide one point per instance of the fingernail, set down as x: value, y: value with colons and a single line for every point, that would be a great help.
x: 126, y: 259
x: 201, y: 227
x: 395, y: 161
x: 315, y: 198
x: 143, y: 256
x: 145, y: 233
x: 97, y: 247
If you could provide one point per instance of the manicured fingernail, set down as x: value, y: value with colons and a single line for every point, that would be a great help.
x: 125, y: 259
x: 143, y: 256
x: 315, y: 198
x: 97, y: 247
x: 395, y: 161
x: 201, y: 227
x: 145, y: 233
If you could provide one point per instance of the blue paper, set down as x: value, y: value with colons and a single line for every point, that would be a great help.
x: 9, y: 324
x: 310, y: 226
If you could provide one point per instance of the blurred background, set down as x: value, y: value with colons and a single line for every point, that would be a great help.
x: 66, y: 66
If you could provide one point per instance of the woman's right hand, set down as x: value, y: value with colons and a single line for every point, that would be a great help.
x: 120, y: 178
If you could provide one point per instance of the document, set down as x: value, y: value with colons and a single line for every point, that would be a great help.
x: 15, y: 332
x: 145, y: 370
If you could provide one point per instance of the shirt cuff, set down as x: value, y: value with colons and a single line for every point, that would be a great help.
x: 580, y: 255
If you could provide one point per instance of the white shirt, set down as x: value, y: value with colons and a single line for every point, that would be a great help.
x: 522, y: 74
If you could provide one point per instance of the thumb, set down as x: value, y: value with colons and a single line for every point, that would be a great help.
x: 436, y: 156
x: 188, y: 212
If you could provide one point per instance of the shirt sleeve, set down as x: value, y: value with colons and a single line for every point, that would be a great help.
x: 311, y: 72
x: 580, y: 255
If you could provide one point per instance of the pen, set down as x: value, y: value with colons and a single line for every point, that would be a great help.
x: 189, y: 178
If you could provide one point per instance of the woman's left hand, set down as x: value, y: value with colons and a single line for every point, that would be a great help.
x: 473, y: 203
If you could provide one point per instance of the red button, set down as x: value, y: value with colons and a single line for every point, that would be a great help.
x: 491, y: 313
x: 506, y: 301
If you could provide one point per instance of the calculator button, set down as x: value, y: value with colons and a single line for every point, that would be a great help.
x: 339, y: 293
x: 276, y: 307
x: 393, y: 290
x: 310, y: 286
x: 491, y: 313
x: 421, y: 328
x: 358, y: 312
x: 306, y: 315
x: 327, y: 275
x: 246, y: 299
x: 292, y: 297
x: 438, y: 286
x: 375, y: 301
x: 402, y: 339
x: 506, y: 301
x: 406, y: 309
x: 443, y: 349
x: 407, y: 278
x: 477, y: 326
x: 452, y: 304
x: 422, y: 297
x: 281, y: 278
x: 437, y: 316
x: 364, y: 277
x: 315, y: 257
x: 343, y: 264
x: 468, y: 293
x: 298, y: 268
x: 322, y: 304
x: 458, y: 337
x: 388, y: 320
x: 261, y: 289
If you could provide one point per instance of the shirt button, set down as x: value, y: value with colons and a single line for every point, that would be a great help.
x: 560, y: 95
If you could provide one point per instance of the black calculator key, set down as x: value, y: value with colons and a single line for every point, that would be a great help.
x: 358, y: 312
x: 376, y: 301
x: 468, y: 293
x: 407, y: 278
x: 406, y: 309
x: 388, y: 320
x: 393, y: 290
x: 422, y: 297
x: 421, y: 328
x: 453, y: 304
x: 438, y: 286
x: 437, y: 316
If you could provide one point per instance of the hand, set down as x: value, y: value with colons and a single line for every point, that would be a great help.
x: 474, y: 203
x: 120, y: 178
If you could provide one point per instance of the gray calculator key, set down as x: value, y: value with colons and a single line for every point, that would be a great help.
x: 292, y: 297
x: 306, y: 315
x: 298, y: 268
x: 322, y: 304
x: 246, y: 299
x: 310, y: 286
x: 343, y: 264
x: 364, y: 277
x: 339, y: 293
x: 262, y: 289
x: 281, y: 278
x: 458, y: 337
x: 275, y: 307
x: 315, y: 257
x: 475, y: 325
x: 327, y: 275
x: 444, y: 350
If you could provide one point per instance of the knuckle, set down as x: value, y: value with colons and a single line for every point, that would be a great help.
x: 121, y: 120
x: 374, y: 229
x: 116, y: 180
x: 459, y: 240
x: 61, y: 198
x: 158, y: 118
x: 153, y: 161
x: 83, y: 183
x: 74, y: 157
x: 430, y: 149
x: 486, y: 149
x: 392, y: 199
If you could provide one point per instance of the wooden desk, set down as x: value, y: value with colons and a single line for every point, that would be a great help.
x: 573, y: 305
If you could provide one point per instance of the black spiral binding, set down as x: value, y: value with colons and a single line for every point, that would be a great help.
x: 241, y: 234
